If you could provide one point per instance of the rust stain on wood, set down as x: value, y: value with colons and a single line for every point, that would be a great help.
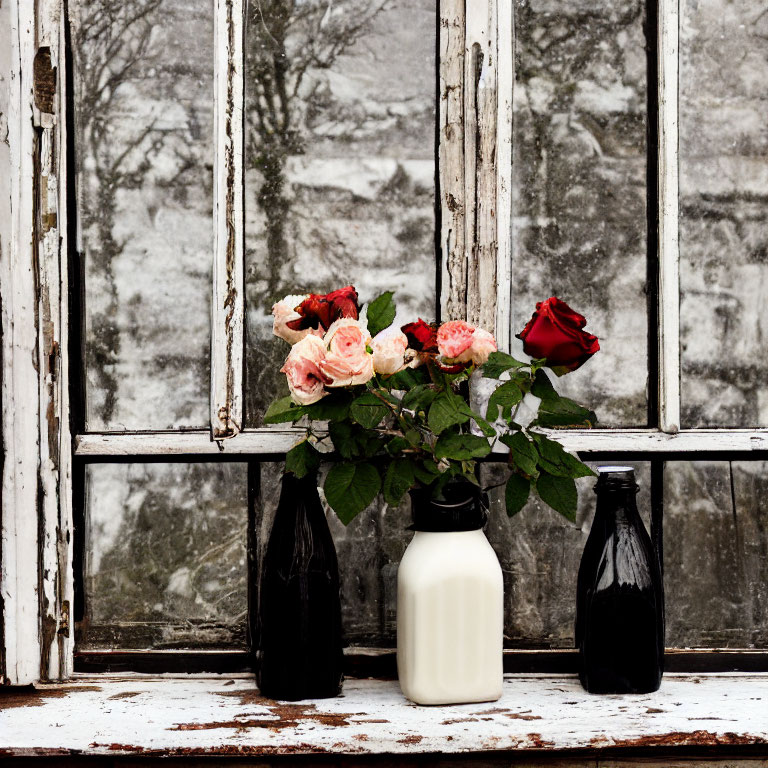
x: 680, y: 738
x: 412, y: 739
x: 24, y: 697
x: 279, y: 716
x: 124, y: 695
x: 44, y: 79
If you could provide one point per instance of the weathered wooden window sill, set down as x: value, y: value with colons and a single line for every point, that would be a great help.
x: 133, y: 714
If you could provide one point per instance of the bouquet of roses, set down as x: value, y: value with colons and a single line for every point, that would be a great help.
x: 389, y: 405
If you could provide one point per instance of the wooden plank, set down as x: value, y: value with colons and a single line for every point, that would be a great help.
x: 56, y: 582
x: 227, y: 334
x: 451, y: 159
x: 275, y: 442
x: 20, y: 402
x: 505, y: 53
x: 669, y: 254
x: 225, y: 715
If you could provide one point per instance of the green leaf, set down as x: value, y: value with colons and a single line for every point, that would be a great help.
x: 398, y: 480
x: 562, y: 412
x: 342, y: 435
x: 559, y: 493
x: 368, y: 410
x: 498, y: 363
x: 395, y: 445
x: 427, y: 472
x: 542, y: 387
x: 302, y: 459
x: 522, y: 452
x: 516, y: 493
x: 486, y: 428
x: 459, y: 447
x: 555, y: 460
x: 333, y: 407
x: 446, y: 410
x: 350, y: 488
x: 406, y: 379
x: 419, y: 398
x: 381, y: 313
x: 283, y: 410
x: 505, y: 397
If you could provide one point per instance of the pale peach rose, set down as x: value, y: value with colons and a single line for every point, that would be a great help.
x: 306, y: 380
x: 347, y: 360
x: 454, y: 338
x: 482, y: 345
x: 463, y: 343
x: 389, y: 348
x: 284, y: 312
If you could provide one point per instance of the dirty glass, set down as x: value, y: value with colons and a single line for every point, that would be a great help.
x: 716, y: 554
x: 539, y: 552
x: 339, y: 163
x: 165, y: 560
x: 579, y: 187
x: 143, y: 110
x: 723, y: 208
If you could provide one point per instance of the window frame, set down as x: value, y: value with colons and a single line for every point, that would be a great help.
x: 39, y: 286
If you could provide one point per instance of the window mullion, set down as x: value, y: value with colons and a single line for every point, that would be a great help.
x: 19, y: 578
x: 55, y: 493
x: 227, y: 338
x: 669, y: 254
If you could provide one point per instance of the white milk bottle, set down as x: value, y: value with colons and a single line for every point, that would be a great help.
x: 450, y: 603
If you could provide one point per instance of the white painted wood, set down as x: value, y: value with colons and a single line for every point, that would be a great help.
x: 669, y: 255
x: 451, y: 159
x: 227, y: 337
x: 55, y: 530
x: 505, y: 65
x: 20, y: 394
x: 274, y: 442
x: 224, y: 715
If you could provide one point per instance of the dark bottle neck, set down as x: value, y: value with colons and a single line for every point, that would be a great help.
x: 616, y: 500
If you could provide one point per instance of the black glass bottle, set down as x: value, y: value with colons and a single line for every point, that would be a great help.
x: 620, y: 597
x: 299, y: 634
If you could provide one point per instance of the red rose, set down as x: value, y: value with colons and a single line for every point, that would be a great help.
x: 555, y: 332
x: 319, y: 311
x: 421, y: 336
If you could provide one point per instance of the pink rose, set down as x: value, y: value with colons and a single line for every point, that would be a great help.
x: 302, y: 367
x: 463, y: 343
x: 389, y: 348
x: 284, y: 313
x: 454, y: 338
x: 347, y: 360
x: 483, y: 344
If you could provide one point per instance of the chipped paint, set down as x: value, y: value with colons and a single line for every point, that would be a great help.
x: 213, y: 715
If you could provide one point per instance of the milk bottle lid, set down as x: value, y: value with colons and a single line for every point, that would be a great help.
x: 462, y: 507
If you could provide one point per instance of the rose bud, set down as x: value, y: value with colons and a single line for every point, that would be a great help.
x: 306, y: 381
x: 389, y: 348
x: 320, y: 311
x: 555, y: 333
x: 347, y: 360
x: 421, y: 336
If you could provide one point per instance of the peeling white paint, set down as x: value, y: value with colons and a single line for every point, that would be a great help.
x: 222, y: 715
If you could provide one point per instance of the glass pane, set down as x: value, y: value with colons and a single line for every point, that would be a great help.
x: 716, y: 554
x: 144, y: 149
x: 723, y: 208
x: 165, y: 556
x: 340, y: 165
x: 579, y: 188
x: 540, y: 552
